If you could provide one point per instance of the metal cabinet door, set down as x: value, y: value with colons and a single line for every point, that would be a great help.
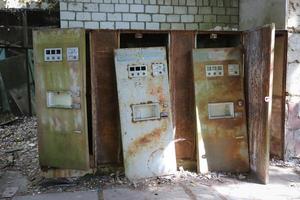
x: 145, y: 112
x: 220, y: 110
x: 259, y: 60
x: 60, y: 61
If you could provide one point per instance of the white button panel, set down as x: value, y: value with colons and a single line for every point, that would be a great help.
x: 214, y: 70
x: 158, y: 69
x: 52, y: 54
x: 72, y: 54
x: 233, y: 69
x: 135, y: 71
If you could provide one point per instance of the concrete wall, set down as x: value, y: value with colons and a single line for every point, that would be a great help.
x: 292, y: 140
x: 149, y: 14
x: 256, y: 13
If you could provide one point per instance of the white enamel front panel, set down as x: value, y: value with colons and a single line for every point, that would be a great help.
x: 144, y: 104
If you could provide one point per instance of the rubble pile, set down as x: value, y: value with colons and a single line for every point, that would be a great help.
x: 18, y: 146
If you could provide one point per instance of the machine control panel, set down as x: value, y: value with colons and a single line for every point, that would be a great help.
x: 233, y: 70
x: 214, y: 70
x: 158, y: 69
x: 52, y: 54
x: 136, y: 71
x: 72, y: 54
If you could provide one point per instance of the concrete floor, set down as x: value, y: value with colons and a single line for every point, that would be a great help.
x: 284, y: 184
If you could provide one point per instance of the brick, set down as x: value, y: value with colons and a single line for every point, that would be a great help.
x: 129, y: 17
x: 213, y: 3
x: 173, y: 18
x: 234, y: 3
x: 114, y: 17
x: 107, y: 25
x: 191, y: 2
x: 152, y: 2
x: 137, y: 1
x: 198, y: 18
x: 97, y: 1
x: 220, y: 3
x: 205, y: 2
x: 122, y: 25
x: 75, y: 24
x: 91, y: 25
x: 64, y: 24
x: 165, y: 26
x: 114, y: 1
x: 122, y: 1
x: 199, y: 2
x: 191, y: 26
x: 204, y: 10
x: 137, y: 8
x: 66, y: 15
x: 99, y: 16
x: 210, y: 18
x: 151, y: 9
x: 160, y: 2
x: 227, y: 3
x: 137, y: 25
x: 234, y: 19
x: 192, y: 10
x: 166, y: 9
x: 187, y: 18
x: 145, y: 1
x: 106, y: 8
x: 175, y: 3
x: 180, y: 10
x: 182, y: 2
x: 63, y: 6
x: 129, y: 1
x: 83, y: 16
x: 159, y: 18
x: 107, y: 1
x: 218, y: 11
x: 90, y: 7
x: 232, y: 11
x: 168, y: 2
x: 152, y: 26
x: 144, y: 17
x: 223, y: 19
x: 75, y: 6
x: 205, y: 26
x: 177, y: 26
x: 121, y: 8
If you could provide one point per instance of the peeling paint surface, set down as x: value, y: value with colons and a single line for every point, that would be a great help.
x: 222, y: 142
x: 62, y: 132
x: 148, y: 143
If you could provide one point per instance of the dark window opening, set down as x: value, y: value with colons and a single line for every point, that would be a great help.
x: 208, y: 40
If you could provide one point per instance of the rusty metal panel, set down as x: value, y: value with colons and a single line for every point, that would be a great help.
x: 278, y: 102
x: 182, y: 95
x: 105, y: 108
x: 145, y: 113
x: 259, y: 57
x: 220, y: 110
x: 60, y: 60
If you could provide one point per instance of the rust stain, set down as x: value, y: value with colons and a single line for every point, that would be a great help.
x: 143, y: 142
x: 225, y: 149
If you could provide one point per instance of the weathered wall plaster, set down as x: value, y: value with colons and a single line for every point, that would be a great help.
x: 292, y: 129
x: 256, y: 13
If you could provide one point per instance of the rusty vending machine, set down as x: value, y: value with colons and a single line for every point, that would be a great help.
x: 220, y: 110
x: 60, y: 64
x: 145, y: 112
